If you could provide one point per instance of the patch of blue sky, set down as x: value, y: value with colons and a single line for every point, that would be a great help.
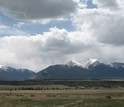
x: 35, y: 28
x: 90, y: 4
x: 32, y: 28
x: 8, y: 21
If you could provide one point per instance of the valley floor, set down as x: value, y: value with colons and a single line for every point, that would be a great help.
x: 61, y: 96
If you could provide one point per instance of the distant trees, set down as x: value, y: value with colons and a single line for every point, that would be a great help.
x: 55, y: 85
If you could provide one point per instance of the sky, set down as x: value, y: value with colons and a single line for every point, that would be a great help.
x: 37, y: 33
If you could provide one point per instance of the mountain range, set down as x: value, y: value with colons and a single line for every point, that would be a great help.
x: 91, y: 69
x: 11, y: 74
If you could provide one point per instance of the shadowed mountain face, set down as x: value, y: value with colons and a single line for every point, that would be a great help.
x: 61, y: 72
x: 93, y: 69
x: 12, y: 74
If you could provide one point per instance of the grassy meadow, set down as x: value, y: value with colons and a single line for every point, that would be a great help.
x: 62, y: 95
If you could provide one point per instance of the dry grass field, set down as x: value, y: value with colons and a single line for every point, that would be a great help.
x: 61, y: 96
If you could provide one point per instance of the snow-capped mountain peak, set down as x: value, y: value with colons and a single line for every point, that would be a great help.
x: 6, y: 68
x: 93, y: 62
x: 8, y: 73
x: 86, y: 64
x: 1, y: 66
x: 74, y: 63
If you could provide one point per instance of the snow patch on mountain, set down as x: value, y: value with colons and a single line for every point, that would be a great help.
x: 116, y: 65
x: 84, y: 64
x: 6, y: 68
x: 92, y: 62
x: 74, y: 63
x: 1, y: 66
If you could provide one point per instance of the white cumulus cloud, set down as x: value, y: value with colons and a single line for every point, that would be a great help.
x: 35, y: 52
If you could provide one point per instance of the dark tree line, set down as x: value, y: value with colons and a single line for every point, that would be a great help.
x: 28, y: 85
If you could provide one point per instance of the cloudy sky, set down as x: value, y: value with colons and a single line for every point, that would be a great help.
x: 37, y: 33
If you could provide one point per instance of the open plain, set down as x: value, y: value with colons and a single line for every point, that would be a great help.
x: 62, y: 94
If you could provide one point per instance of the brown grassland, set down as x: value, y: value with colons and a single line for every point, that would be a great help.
x: 44, y: 95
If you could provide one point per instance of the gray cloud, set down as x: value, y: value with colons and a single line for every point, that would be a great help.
x: 110, y: 4
x: 36, y: 9
x: 104, y: 25
x: 111, y: 30
x: 106, y: 3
